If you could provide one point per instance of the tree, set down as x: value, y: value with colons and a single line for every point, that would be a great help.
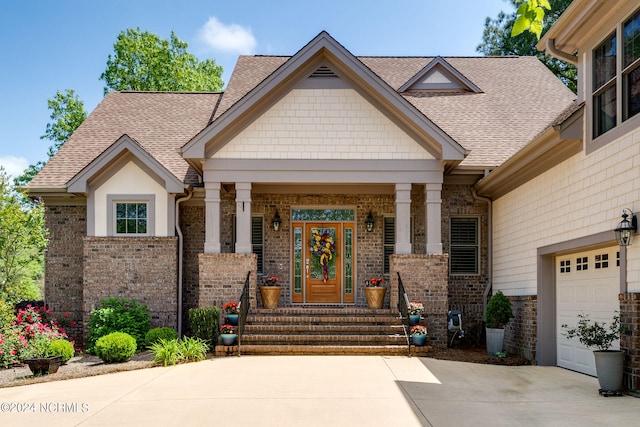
x: 143, y: 61
x: 530, y: 16
x: 22, y: 244
x: 497, y: 40
x: 67, y: 113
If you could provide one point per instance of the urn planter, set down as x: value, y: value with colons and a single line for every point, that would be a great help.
x: 375, y: 296
x: 270, y: 296
x: 609, y: 368
x: 495, y: 340
x: 228, y: 339
x: 44, y: 365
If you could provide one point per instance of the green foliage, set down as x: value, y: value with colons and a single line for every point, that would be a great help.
x: 194, y: 349
x: 156, y: 334
x: 6, y: 315
x: 67, y: 114
x: 530, y: 16
x: 167, y: 352
x: 497, y: 41
x: 22, y: 243
x: 143, y: 61
x: 595, y: 334
x: 204, y: 323
x: 172, y: 351
x: 61, y: 347
x: 498, y: 312
x: 115, y: 347
x: 118, y: 314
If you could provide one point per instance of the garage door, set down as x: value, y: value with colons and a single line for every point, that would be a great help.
x: 589, y: 283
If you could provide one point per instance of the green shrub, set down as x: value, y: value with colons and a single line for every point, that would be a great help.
x: 62, y: 348
x: 118, y: 315
x: 160, y: 333
x: 204, y: 324
x: 194, y: 349
x: 498, y: 312
x: 6, y: 315
x: 167, y: 352
x: 115, y: 347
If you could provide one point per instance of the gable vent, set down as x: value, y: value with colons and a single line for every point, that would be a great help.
x: 323, y: 72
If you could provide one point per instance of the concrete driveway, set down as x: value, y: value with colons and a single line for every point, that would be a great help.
x: 322, y: 391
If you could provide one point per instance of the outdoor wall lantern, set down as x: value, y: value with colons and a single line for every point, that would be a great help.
x: 276, y: 221
x: 369, y: 222
x: 627, y: 228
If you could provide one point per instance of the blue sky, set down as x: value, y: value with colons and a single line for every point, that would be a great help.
x: 63, y: 44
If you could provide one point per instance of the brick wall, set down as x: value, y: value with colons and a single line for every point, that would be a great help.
x: 466, y: 292
x: 630, y: 340
x: 63, y: 263
x: 140, y: 268
x: 521, y: 332
x: 193, y: 231
x: 425, y: 280
x: 222, y: 277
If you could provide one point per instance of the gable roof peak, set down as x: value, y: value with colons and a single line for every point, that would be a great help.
x: 439, y: 75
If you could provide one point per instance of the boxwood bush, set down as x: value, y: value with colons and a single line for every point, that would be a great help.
x: 115, y: 347
x: 204, y: 324
x: 60, y: 347
x: 156, y: 334
x: 119, y: 315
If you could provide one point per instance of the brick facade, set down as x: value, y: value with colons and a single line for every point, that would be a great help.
x: 630, y: 340
x: 193, y: 231
x: 140, y: 268
x: 466, y: 292
x: 521, y: 332
x: 67, y: 225
x: 425, y: 279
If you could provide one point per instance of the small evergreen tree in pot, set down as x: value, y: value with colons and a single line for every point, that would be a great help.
x: 496, y: 317
x: 498, y: 312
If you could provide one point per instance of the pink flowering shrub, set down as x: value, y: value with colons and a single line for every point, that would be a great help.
x: 29, y: 335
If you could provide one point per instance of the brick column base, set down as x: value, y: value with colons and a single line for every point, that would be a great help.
x: 222, y: 277
x: 425, y: 279
x: 521, y: 332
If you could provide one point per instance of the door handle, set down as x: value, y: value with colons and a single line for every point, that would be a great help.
x: 307, y: 267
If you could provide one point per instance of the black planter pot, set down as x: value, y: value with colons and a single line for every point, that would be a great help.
x: 44, y: 365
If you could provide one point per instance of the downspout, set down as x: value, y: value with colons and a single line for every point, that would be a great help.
x: 550, y: 47
x: 487, y: 289
x: 180, y: 251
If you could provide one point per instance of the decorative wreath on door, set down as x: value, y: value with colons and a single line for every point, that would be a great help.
x: 323, y: 246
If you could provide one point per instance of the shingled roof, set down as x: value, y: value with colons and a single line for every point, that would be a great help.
x: 161, y: 122
x: 519, y: 98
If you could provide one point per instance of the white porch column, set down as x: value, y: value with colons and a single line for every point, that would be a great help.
x: 243, y: 218
x: 212, y: 218
x: 433, y: 217
x: 403, y: 219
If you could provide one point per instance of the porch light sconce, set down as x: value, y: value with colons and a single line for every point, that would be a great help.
x: 276, y: 222
x: 369, y: 222
x: 627, y: 228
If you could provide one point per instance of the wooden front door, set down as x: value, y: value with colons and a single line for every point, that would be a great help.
x: 323, y: 263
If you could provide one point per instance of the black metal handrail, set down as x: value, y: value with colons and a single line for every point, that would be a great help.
x: 243, y: 308
x: 403, y: 310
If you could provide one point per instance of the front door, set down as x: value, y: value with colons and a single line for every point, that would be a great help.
x: 322, y: 259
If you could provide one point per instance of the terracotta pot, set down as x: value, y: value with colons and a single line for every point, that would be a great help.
x: 270, y: 296
x: 375, y: 296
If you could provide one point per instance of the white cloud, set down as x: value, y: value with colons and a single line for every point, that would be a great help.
x: 14, y: 166
x: 231, y: 38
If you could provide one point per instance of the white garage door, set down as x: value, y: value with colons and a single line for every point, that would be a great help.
x: 589, y: 283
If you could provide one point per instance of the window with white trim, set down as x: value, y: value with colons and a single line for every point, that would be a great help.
x: 616, y: 82
x: 131, y: 215
x: 464, y: 246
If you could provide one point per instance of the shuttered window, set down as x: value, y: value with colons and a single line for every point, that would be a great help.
x: 257, y: 239
x: 389, y: 240
x: 464, y: 246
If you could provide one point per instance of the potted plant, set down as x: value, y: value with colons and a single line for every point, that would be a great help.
x: 42, y: 361
x: 419, y: 335
x: 231, y: 312
x: 270, y: 292
x: 496, y: 317
x: 227, y: 335
x: 374, y: 292
x: 415, y: 312
x: 599, y: 335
